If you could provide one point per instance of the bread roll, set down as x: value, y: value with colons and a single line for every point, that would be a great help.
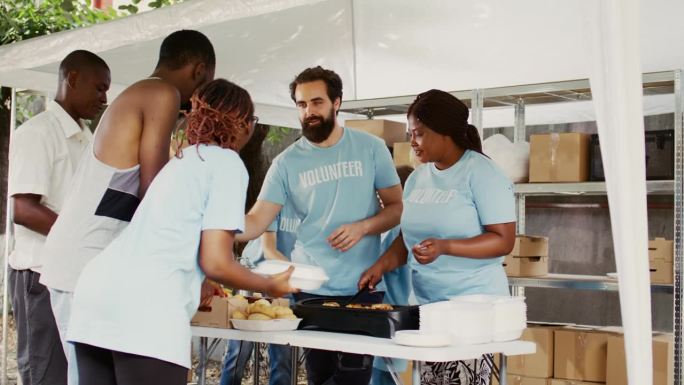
x: 263, y: 302
x: 263, y: 309
x: 258, y: 317
x: 282, y: 310
x: 238, y: 315
x: 287, y: 316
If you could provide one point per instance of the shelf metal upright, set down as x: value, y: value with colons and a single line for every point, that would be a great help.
x: 519, y: 135
x: 678, y: 215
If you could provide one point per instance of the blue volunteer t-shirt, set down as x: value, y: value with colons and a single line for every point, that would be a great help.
x: 456, y: 203
x: 285, y: 226
x: 329, y: 187
x: 286, y: 230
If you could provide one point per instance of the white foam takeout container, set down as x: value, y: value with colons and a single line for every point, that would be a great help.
x: 304, y: 277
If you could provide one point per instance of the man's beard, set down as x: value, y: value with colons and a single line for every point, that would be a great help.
x: 317, y: 129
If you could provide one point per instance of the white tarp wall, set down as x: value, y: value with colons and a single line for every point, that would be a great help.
x: 617, y: 95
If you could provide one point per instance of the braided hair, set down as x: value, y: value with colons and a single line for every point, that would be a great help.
x: 221, y: 112
x: 446, y: 115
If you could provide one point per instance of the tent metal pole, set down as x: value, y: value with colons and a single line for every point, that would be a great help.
x: 8, y: 241
x: 476, y: 107
x: 678, y: 216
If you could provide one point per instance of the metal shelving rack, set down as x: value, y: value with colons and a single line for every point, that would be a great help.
x: 666, y: 82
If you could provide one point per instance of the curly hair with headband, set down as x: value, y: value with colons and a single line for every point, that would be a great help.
x: 221, y: 113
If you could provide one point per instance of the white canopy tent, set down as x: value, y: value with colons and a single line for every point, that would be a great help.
x: 386, y: 48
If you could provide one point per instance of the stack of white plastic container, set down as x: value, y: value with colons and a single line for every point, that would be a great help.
x: 475, y: 319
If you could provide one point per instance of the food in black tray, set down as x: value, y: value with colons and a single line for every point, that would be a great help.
x: 377, y: 320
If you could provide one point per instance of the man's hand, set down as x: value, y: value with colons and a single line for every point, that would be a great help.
x: 427, y: 251
x: 372, y: 276
x: 209, y: 290
x: 347, y: 236
x: 280, y: 284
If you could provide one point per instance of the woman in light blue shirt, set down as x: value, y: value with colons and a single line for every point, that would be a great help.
x: 130, y: 320
x: 458, y: 221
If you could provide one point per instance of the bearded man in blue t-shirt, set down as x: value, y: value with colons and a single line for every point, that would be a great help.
x: 330, y: 176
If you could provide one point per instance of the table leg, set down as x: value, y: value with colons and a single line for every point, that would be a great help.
x: 257, y: 363
x: 392, y: 370
x: 294, y: 371
x: 416, y: 372
x: 202, y: 365
x: 502, y: 369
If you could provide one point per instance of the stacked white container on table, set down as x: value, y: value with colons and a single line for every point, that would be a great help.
x: 474, y: 319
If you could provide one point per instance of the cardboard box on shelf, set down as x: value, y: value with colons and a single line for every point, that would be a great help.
x: 513, y: 379
x: 392, y: 132
x: 558, y: 381
x: 559, y: 157
x: 526, y: 266
x: 661, y: 271
x: 660, y: 249
x: 530, y: 246
x: 663, y: 360
x: 580, y: 354
x: 539, y: 364
x: 404, y: 156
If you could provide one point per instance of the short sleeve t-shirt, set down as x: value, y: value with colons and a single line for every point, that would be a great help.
x: 286, y: 230
x: 139, y: 294
x: 285, y: 227
x: 456, y: 203
x: 329, y: 187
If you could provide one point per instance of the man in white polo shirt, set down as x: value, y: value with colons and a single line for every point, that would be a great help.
x: 44, y: 154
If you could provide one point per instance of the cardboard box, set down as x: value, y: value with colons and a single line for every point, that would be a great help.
x: 661, y: 249
x: 392, y: 132
x: 216, y: 316
x: 580, y: 354
x: 539, y: 364
x: 661, y: 271
x: 526, y: 266
x: 530, y: 246
x: 558, y: 381
x: 559, y: 157
x: 663, y: 360
x: 407, y: 375
x: 513, y: 379
x: 404, y: 156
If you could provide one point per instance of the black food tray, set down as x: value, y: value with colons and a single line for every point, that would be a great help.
x: 375, y: 323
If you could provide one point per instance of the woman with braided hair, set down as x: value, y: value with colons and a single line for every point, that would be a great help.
x: 458, y: 222
x: 133, y: 302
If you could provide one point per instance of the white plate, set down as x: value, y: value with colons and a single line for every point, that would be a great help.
x: 612, y: 275
x: 266, y: 325
x: 416, y: 338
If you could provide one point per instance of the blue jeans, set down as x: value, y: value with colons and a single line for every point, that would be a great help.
x: 239, y: 353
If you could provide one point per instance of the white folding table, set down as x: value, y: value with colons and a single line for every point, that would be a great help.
x: 351, y: 343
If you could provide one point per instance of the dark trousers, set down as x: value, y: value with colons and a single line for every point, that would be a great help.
x: 98, y: 366
x: 334, y: 368
x: 40, y: 356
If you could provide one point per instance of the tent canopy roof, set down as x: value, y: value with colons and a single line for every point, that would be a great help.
x: 380, y: 48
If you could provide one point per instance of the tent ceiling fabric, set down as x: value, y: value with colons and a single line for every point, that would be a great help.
x: 383, y: 47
